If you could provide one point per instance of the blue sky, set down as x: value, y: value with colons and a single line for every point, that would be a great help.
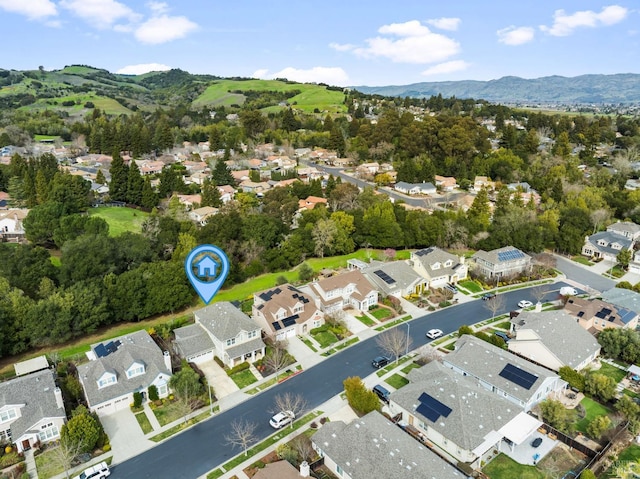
x: 348, y: 42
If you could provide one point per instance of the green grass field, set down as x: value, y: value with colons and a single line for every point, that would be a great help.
x: 503, y: 467
x: 311, y: 96
x: 613, y: 372
x: 397, y: 381
x: 593, y: 409
x: 121, y: 219
x: 108, y: 105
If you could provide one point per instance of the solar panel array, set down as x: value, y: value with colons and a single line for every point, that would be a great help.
x: 286, y: 322
x: 510, y: 254
x: 603, y: 313
x: 301, y: 297
x: 276, y: 325
x: 103, y: 350
x: 266, y: 296
x: 518, y: 376
x: 423, y: 252
x: 384, y: 276
x: 431, y: 408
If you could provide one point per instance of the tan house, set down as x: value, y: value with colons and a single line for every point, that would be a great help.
x: 202, y: 215
x: 595, y: 315
x: 501, y: 262
x: 344, y: 290
x: 481, y: 182
x: 310, y: 202
x: 445, y: 183
x: 285, y: 311
x: 438, y: 266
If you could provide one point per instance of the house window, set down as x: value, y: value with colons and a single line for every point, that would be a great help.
x: 5, y: 435
x: 106, y: 381
x: 435, y: 266
x: 252, y: 334
x: 7, y: 415
x: 162, y: 390
x: 231, y: 342
x: 298, y: 309
x: 48, y: 432
x: 339, y: 470
x: 137, y: 371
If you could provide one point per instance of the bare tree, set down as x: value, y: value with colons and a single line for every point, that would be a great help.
x: 277, y: 357
x: 428, y: 353
x: 394, y: 342
x: 64, y: 454
x: 302, y: 445
x: 598, y: 217
x: 291, y: 402
x: 242, y: 434
x: 494, y: 304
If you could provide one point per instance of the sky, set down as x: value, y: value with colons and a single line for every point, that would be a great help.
x: 348, y: 42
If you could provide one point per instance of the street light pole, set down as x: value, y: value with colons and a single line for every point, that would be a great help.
x: 210, y: 402
x: 407, y: 349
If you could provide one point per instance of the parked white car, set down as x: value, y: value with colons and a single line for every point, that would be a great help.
x: 281, y: 419
x: 568, y: 291
x: 434, y: 333
x: 525, y: 304
x: 99, y: 471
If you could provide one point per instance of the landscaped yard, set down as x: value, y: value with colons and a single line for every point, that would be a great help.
x: 120, y: 219
x: 471, y: 286
x: 46, y: 464
x: 411, y: 366
x: 593, y: 409
x: 582, y: 260
x: 143, y: 420
x: 397, y: 381
x: 613, y: 372
x: 381, y: 313
x: 366, y: 320
x: 243, y: 378
x: 169, y: 413
x: 629, y: 455
x: 503, y: 467
x: 324, y: 337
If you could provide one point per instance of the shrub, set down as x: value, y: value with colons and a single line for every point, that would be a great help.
x: 219, y: 361
x: 573, y: 377
x: 106, y: 448
x: 238, y: 367
x: 137, y: 399
x: 153, y: 393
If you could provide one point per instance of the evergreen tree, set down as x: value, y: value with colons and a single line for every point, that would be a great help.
x: 163, y: 139
x: 336, y: 141
x: 168, y: 182
x: 100, y: 179
x: 221, y: 174
x: 216, y: 142
x: 119, y: 178
x: 210, y: 194
x: 149, y: 198
x: 42, y: 187
x: 134, y: 184
x: 331, y: 185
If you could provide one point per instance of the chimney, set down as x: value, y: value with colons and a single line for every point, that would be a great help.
x: 167, y: 361
x: 58, y: 394
x: 304, y: 469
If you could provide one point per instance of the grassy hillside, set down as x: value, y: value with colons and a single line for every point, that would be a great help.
x: 121, y: 219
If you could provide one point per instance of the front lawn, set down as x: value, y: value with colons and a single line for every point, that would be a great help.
x: 397, y: 381
x: 471, y: 286
x: 613, y: 372
x: 503, y: 467
x: 46, y: 464
x: 366, y: 320
x: 144, y: 423
x: 243, y: 378
x: 592, y: 409
x: 169, y: 412
x: 381, y: 313
x: 582, y: 260
x: 324, y: 338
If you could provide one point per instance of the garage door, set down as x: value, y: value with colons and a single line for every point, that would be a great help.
x: 201, y: 358
x: 106, y: 409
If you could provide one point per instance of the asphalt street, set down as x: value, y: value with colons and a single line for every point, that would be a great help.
x: 204, y: 446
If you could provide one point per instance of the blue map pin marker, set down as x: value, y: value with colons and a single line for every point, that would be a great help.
x: 207, y: 267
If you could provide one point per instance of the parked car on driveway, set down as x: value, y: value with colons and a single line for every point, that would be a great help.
x: 525, y: 304
x: 281, y: 419
x: 502, y: 335
x: 382, y: 392
x: 434, y: 333
x: 487, y: 296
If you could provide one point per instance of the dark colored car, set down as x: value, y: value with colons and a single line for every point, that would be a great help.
x: 451, y: 287
x: 502, y: 335
x: 536, y: 442
x: 486, y: 296
x: 380, y: 362
x: 382, y: 393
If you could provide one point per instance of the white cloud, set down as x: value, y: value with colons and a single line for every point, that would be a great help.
x: 158, y: 8
x: 515, y: 35
x: 444, y: 23
x: 32, y: 9
x: 342, y: 47
x: 101, y: 14
x: 409, y: 42
x: 163, y: 28
x: 141, y: 68
x: 446, y: 67
x: 564, y: 24
x: 329, y: 75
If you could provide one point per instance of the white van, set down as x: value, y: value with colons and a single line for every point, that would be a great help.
x: 99, y: 471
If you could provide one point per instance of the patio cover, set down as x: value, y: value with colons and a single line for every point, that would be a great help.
x: 520, y: 428
x: 490, y: 440
x: 635, y: 370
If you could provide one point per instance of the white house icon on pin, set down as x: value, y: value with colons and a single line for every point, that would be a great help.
x: 206, y: 267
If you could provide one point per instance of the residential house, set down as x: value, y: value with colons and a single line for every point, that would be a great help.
x: 605, y: 245
x: 502, y: 372
x: 438, y: 266
x: 595, y: 315
x: 202, y: 215
x: 11, y: 223
x: 226, y: 193
x: 552, y: 339
x: 249, y: 186
x: 307, y: 174
x: 372, y: 446
x: 501, y: 262
x: 623, y: 298
x: 120, y: 367
x: 220, y: 330
x: 445, y: 183
x: 4, y: 200
x: 481, y: 182
x: 285, y: 311
x: 368, y: 169
x: 31, y: 410
x: 310, y: 202
x: 189, y: 201
x: 150, y: 167
x: 344, y: 290
x: 415, y: 188
x: 198, y: 177
x: 634, y: 264
x: 396, y: 278
x: 625, y: 228
x: 240, y: 175
x: 457, y: 416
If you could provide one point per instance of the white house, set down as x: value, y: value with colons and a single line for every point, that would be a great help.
x: 438, y: 266
x: 344, y: 290
x: 501, y: 262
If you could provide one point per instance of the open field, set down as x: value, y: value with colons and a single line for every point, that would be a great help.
x: 120, y: 219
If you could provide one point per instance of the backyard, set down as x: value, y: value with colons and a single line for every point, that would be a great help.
x: 592, y: 409
x: 613, y: 372
x: 503, y: 467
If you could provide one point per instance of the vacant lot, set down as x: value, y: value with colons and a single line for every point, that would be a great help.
x: 120, y: 219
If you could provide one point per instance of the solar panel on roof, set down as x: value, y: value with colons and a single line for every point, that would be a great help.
x: 384, y: 276
x: 276, y: 325
x: 431, y: 408
x: 101, y: 351
x: 518, y: 376
x: 286, y: 322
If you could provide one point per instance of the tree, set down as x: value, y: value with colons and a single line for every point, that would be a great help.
x: 221, y: 174
x: 556, y: 415
x: 600, y: 385
x: 42, y: 221
x: 210, y: 194
x: 539, y: 292
x: 573, y: 377
x: 587, y: 474
x: 289, y: 401
x: 119, y: 178
x: 149, y: 197
x: 361, y: 399
x: 394, y: 342
x: 82, y: 431
x: 277, y: 357
x: 305, y: 272
x: 187, y: 388
x: 495, y: 304
x: 598, y: 426
x: 135, y: 184
x: 100, y: 179
x: 242, y: 434
x: 323, y: 233
x: 64, y: 455
x: 624, y: 258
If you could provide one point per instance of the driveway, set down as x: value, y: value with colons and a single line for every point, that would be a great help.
x: 222, y: 384
x: 125, y: 436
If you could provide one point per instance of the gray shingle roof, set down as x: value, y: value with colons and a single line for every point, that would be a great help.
x: 224, y: 321
x: 372, y: 447
x: 430, y: 256
x: 36, y: 392
x: 480, y: 359
x: 609, y: 238
x: 135, y: 347
x: 400, y: 271
x: 475, y: 412
x: 245, y: 348
x: 624, y: 298
x: 561, y: 333
x: 502, y: 255
x: 193, y: 339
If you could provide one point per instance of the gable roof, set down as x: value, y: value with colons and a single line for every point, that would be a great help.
x: 192, y: 339
x: 486, y: 361
x: 134, y: 347
x: 475, y: 412
x: 569, y: 342
x: 37, y: 392
x: 596, y: 308
x: 625, y: 298
x: 401, y: 276
x: 624, y: 227
x: 372, y: 446
x: 285, y: 296
x: 224, y: 321
x: 430, y: 256
x: 609, y: 238
x: 501, y: 255
x: 339, y: 281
